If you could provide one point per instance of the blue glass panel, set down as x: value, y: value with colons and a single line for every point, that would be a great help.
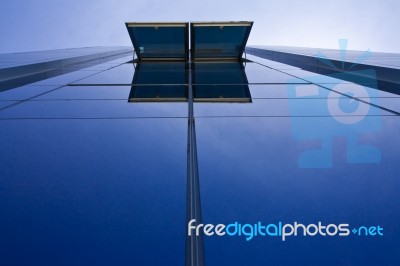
x: 313, y: 77
x: 158, y: 93
x: 93, y: 192
x: 220, y: 81
x: 4, y: 103
x: 88, y: 178
x: 219, y: 40
x: 222, y: 93
x: 301, y: 100
x: 269, y: 63
x: 150, y: 79
x: 268, y: 91
x: 121, y: 74
x: 67, y: 78
x: 39, y: 67
x: 96, y: 109
x: 279, y: 91
x: 27, y: 58
x: 353, y: 69
x: 150, y: 73
x: 159, y: 82
x: 227, y: 73
x: 110, y: 64
x: 259, y: 170
x: 160, y: 73
x: 88, y: 93
x: 169, y: 73
x: 24, y: 92
x: 360, y: 57
x: 257, y: 73
x: 219, y: 73
x: 159, y: 40
x: 392, y: 103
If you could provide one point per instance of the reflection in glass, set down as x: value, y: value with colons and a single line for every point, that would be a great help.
x: 159, y: 81
x: 17, y: 70
x: 220, y: 82
x: 211, y: 82
x: 332, y: 66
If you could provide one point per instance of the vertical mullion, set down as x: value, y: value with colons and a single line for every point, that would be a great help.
x: 194, y: 244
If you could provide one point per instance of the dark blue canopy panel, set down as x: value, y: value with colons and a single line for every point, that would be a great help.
x: 208, y: 40
x: 219, y: 40
x: 160, y: 41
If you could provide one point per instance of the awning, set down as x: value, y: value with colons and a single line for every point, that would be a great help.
x: 208, y: 40
x: 160, y: 41
x: 219, y: 40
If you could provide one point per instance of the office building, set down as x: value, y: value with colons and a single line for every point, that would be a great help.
x: 108, y: 153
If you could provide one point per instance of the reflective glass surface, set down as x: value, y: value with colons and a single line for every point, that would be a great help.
x: 107, y: 93
x: 206, y: 73
x: 221, y: 81
x: 229, y: 72
x: 26, y: 58
x: 298, y: 170
x: 158, y: 93
x: 378, y: 59
x: 44, y: 67
x: 121, y: 74
x: 257, y: 73
x: 161, y: 81
x: 269, y: 63
x: 92, y: 192
x: 76, y: 163
x: 6, y: 103
x: 94, y: 164
x: 93, y: 109
x: 24, y: 92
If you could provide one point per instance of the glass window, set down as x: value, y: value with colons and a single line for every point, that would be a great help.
x: 280, y: 179
x: 24, y: 92
x: 5, y: 103
x: 220, y: 82
x: 92, y: 109
x: 159, y: 40
x: 158, y: 93
x: 160, y: 81
x: 219, y: 39
x: 87, y: 93
x: 121, y: 74
x: 97, y: 192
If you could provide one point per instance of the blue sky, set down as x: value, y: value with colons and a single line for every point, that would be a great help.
x: 52, y: 24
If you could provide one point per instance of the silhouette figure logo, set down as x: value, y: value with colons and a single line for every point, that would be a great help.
x: 336, y: 107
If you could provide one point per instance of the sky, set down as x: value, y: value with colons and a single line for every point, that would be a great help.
x: 30, y: 25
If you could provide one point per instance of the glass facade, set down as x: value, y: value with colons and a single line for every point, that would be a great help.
x: 94, y: 163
